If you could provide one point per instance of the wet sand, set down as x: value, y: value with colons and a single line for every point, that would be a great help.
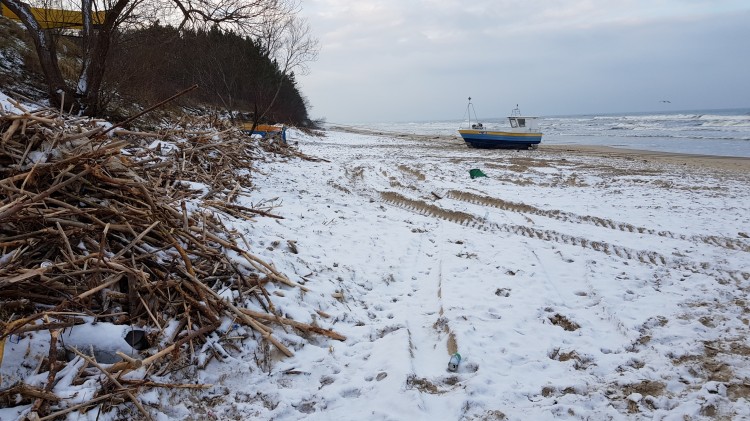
x: 725, y: 163
x: 739, y: 164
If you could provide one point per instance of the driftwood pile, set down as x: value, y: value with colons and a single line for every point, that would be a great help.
x: 96, y: 227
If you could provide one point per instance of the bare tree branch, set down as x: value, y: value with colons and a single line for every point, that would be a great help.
x: 288, y: 38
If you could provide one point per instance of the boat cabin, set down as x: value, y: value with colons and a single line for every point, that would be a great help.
x: 522, y: 123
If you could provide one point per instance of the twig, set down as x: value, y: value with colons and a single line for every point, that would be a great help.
x: 148, y: 110
x: 168, y: 385
x: 80, y: 405
x: 150, y: 360
x: 53, y: 367
x: 24, y: 389
x: 44, y: 194
x: 113, y: 380
x: 249, y: 321
x: 306, y: 327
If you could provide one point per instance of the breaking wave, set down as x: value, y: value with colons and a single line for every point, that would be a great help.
x: 713, y: 132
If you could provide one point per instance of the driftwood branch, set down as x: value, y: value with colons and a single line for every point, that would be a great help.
x: 149, y: 109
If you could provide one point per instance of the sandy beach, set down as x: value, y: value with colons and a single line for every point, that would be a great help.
x: 736, y: 164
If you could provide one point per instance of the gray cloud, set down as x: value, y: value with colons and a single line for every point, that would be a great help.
x: 419, y: 60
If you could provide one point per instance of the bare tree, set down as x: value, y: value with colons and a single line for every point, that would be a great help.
x: 96, y: 37
x: 288, y: 39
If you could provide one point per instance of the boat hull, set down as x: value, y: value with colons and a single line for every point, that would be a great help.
x: 507, y: 140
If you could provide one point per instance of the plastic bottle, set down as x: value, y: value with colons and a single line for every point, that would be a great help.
x: 453, y: 363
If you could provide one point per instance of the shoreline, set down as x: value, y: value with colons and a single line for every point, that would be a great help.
x: 727, y: 163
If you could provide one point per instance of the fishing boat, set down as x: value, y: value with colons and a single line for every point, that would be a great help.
x: 523, y: 132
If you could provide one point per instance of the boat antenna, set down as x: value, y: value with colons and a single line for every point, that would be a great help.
x: 469, y: 110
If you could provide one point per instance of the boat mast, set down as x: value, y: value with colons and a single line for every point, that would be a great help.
x: 469, y: 109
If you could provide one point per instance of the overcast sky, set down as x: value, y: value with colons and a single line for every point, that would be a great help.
x: 406, y: 60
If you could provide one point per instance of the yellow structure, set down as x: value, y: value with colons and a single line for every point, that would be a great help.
x: 265, y: 129
x: 57, y: 18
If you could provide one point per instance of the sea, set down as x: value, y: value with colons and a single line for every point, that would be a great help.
x: 723, y: 132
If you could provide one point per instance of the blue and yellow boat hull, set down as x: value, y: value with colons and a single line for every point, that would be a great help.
x: 493, y: 139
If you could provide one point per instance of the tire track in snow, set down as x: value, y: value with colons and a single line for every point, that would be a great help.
x: 713, y: 240
x: 642, y: 256
x: 523, y: 208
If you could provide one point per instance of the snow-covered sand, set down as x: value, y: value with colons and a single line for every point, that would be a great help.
x: 575, y: 285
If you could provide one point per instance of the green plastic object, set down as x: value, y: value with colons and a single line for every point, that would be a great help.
x: 476, y: 172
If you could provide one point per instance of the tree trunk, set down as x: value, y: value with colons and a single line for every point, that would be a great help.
x: 96, y: 47
x: 46, y: 50
x: 85, y: 97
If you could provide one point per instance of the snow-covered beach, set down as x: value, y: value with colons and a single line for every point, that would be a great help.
x: 264, y: 210
x: 574, y: 285
x: 575, y: 282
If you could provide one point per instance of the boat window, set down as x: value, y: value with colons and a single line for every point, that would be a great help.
x: 521, y: 122
x: 513, y: 123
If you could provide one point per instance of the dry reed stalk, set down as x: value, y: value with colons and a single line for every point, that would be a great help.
x: 26, y: 390
x: 87, y: 230
x: 53, y: 368
x: 111, y: 378
x: 70, y: 409
x: 303, y: 326
x: 145, y: 383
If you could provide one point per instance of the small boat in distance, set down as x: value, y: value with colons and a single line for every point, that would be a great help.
x: 523, y: 134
